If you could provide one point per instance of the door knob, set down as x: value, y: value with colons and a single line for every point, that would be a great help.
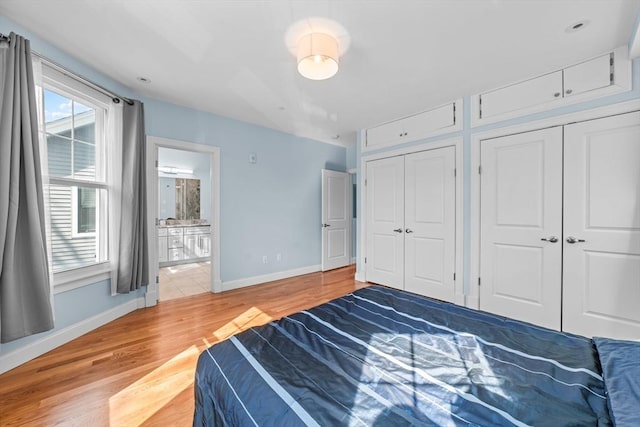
x: 326, y: 225
x: 408, y: 230
x: 551, y: 239
x: 573, y: 240
x: 398, y: 230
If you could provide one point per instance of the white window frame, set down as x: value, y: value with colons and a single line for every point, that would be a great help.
x: 74, y: 216
x: 66, y: 85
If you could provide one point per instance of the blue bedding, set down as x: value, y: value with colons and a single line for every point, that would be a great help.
x: 381, y: 357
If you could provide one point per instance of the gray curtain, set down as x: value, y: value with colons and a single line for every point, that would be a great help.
x: 25, y: 304
x: 133, y: 263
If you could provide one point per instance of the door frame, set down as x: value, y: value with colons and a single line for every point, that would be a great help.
x: 457, y: 142
x: 473, y: 293
x: 153, y: 143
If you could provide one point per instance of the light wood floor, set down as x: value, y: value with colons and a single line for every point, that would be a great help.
x: 139, y: 369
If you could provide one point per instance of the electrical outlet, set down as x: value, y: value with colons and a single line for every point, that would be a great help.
x: 265, y: 259
x: 278, y: 257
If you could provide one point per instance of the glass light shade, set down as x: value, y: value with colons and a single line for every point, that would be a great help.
x: 317, y: 56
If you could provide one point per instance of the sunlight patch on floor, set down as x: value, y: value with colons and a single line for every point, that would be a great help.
x: 138, y: 402
x: 252, y: 317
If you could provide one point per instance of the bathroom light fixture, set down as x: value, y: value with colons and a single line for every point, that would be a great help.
x: 317, y: 56
x: 174, y: 171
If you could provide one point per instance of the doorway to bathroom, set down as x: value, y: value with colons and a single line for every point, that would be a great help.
x: 185, y: 238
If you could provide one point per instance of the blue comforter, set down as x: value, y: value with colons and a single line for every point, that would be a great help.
x: 380, y: 357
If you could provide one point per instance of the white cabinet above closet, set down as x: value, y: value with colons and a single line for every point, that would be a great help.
x: 440, y: 120
x: 597, y: 77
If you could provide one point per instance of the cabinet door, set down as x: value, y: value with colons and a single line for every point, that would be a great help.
x: 589, y: 75
x: 385, y: 134
x: 190, y: 245
x: 162, y: 249
x: 204, y: 245
x: 522, y: 95
x: 602, y: 215
x: 521, y: 226
x: 385, y: 222
x: 430, y: 223
x: 421, y: 125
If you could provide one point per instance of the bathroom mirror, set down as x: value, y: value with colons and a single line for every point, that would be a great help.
x: 179, y: 198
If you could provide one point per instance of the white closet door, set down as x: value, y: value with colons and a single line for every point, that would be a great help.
x: 385, y: 221
x: 430, y: 223
x: 521, y: 204
x: 336, y: 220
x: 602, y: 207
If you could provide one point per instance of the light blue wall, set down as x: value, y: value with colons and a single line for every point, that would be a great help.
x: 467, y: 133
x: 267, y: 208
x: 270, y: 207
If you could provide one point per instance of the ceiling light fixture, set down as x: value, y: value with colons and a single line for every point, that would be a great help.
x: 317, y: 56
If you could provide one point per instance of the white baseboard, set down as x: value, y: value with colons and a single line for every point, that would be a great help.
x: 360, y: 276
x: 256, y: 280
x: 56, y: 339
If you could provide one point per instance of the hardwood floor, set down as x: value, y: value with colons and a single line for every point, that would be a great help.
x: 139, y: 369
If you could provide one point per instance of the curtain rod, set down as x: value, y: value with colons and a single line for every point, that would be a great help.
x: 114, y: 96
x: 64, y: 70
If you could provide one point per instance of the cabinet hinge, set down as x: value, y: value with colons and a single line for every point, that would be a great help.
x: 365, y: 260
x: 454, y: 277
x: 611, y: 70
x: 455, y: 172
x: 157, y: 279
x: 480, y: 105
x: 156, y: 163
x: 454, y: 113
x: 365, y: 182
x: 478, y: 281
x: 479, y: 170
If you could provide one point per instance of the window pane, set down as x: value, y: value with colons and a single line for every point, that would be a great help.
x: 79, y: 247
x: 84, y: 122
x: 59, y: 156
x: 84, y: 160
x: 86, y: 210
x: 57, y: 113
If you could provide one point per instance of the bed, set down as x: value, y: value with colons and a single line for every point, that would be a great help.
x: 381, y: 357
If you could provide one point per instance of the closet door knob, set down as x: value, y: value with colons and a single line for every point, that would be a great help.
x: 398, y: 230
x: 569, y: 91
x: 408, y: 230
x: 326, y: 225
x: 557, y: 94
x: 552, y: 239
x: 573, y: 240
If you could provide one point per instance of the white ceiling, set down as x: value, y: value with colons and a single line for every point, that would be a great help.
x: 237, y: 58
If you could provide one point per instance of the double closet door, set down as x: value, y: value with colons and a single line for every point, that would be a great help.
x: 560, y: 227
x: 411, y: 222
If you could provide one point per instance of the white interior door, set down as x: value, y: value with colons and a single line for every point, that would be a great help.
x: 336, y: 220
x: 430, y: 223
x: 521, y: 205
x: 385, y: 222
x: 602, y: 227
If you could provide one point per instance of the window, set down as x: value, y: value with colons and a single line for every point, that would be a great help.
x: 73, y: 131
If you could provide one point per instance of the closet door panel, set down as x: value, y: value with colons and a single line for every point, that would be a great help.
x: 602, y: 227
x: 430, y: 223
x: 521, y: 204
x: 385, y: 221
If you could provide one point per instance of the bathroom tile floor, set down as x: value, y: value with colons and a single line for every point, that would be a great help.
x: 182, y: 280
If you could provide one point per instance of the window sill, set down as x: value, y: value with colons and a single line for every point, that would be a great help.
x: 72, y: 279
